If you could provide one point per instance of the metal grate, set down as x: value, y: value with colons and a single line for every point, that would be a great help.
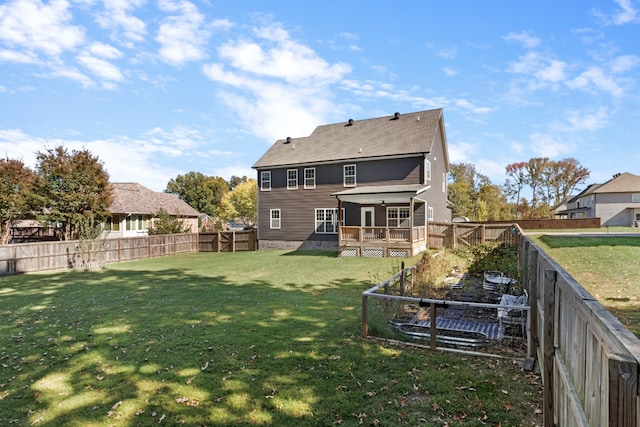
x: 404, y: 253
x: 350, y: 252
x: 373, y: 252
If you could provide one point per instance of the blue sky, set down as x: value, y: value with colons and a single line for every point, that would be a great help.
x: 158, y: 88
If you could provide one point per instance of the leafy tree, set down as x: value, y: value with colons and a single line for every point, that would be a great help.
x: 516, y: 180
x: 17, y: 183
x: 164, y: 223
x: 474, y: 196
x: 241, y: 203
x: 199, y: 191
x: 236, y: 180
x: 550, y: 182
x: 74, y: 191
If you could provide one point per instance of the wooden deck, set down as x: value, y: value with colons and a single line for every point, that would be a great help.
x: 382, y: 241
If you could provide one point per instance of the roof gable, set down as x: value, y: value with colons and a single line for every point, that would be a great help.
x: 396, y: 135
x: 620, y: 183
x: 133, y: 198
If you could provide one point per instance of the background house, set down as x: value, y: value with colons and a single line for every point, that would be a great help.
x: 134, y: 206
x: 616, y: 202
x: 366, y: 187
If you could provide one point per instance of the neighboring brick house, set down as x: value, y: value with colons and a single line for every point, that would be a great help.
x: 364, y: 187
x: 616, y: 202
x: 134, y: 207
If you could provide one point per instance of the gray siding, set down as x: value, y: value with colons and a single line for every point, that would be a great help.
x: 297, y: 207
x: 437, y: 194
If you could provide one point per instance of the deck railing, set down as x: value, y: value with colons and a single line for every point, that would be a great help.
x: 381, y: 234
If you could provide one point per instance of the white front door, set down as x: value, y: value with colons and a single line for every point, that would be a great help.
x: 368, y: 218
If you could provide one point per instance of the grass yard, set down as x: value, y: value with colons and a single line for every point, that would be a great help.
x: 606, y: 266
x: 267, y: 338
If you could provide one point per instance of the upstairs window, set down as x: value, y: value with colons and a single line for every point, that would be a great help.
x: 292, y: 179
x: 310, y: 178
x: 265, y: 181
x: 349, y: 175
x: 430, y: 213
x: 635, y: 198
x: 427, y: 171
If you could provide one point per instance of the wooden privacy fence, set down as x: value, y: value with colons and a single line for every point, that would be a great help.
x: 589, y: 359
x: 47, y: 256
x: 228, y: 241
x: 451, y: 235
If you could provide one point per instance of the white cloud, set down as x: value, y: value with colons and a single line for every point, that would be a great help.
x: 277, y: 86
x: 586, y: 121
x: 18, y: 57
x: 282, y: 58
x: 544, y: 70
x: 624, y: 63
x: 101, y: 68
x: 446, y: 52
x: 182, y: 37
x: 449, y: 72
x: 624, y: 14
x: 524, y: 38
x: 547, y: 145
x: 462, y: 152
x: 117, y: 18
x: 104, y: 51
x: 31, y: 26
x: 595, y: 78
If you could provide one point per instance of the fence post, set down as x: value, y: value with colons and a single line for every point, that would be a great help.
x: 432, y: 323
x: 365, y: 321
x: 623, y: 391
x: 549, y: 286
x: 532, y: 273
x: 403, y: 279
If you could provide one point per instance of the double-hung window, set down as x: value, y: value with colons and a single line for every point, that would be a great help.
x: 349, y: 175
x: 310, y: 178
x: 274, y: 218
x: 427, y: 171
x: 327, y: 221
x: 635, y: 198
x: 398, y: 217
x: 430, y: 213
x: 265, y: 181
x: 292, y: 179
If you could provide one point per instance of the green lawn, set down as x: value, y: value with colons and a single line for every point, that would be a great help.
x: 605, y: 266
x: 267, y: 338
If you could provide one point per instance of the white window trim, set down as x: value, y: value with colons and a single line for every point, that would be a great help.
x: 310, y: 186
x: 429, y: 213
x: 635, y: 198
x: 344, y: 176
x: 336, y: 220
x: 271, y: 219
x: 264, y: 174
x: 295, y: 184
x: 398, y: 219
x: 444, y: 183
x: 427, y: 171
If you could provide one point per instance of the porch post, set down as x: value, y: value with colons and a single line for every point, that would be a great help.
x: 411, y: 224
x: 340, y: 219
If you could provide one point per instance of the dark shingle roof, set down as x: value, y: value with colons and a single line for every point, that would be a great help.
x: 133, y: 198
x: 410, y: 133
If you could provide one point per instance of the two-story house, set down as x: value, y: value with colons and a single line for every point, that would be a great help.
x: 615, y: 202
x: 363, y: 187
